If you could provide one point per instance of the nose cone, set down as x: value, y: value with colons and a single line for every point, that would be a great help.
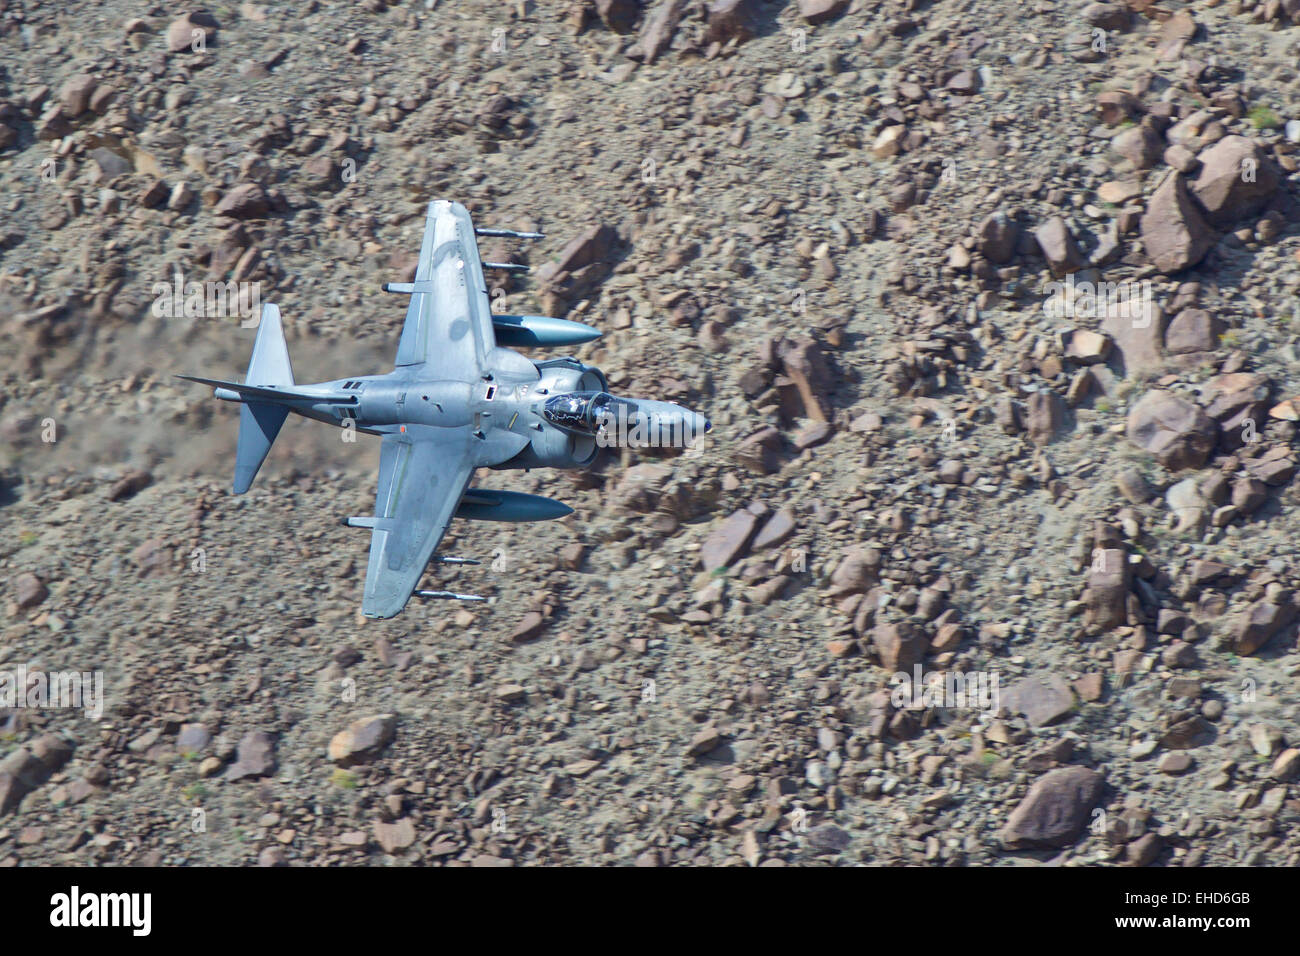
x: 698, y: 424
x: 658, y: 424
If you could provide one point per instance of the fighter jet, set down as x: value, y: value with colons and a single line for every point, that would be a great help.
x: 457, y: 400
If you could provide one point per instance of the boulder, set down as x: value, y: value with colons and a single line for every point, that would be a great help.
x: 1236, y: 180
x: 1055, y: 810
x: 1176, y: 431
x: 1174, y: 233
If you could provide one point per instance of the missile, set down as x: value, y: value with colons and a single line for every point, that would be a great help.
x: 508, y: 233
x: 485, y: 504
x: 447, y: 596
x: 507, y: 266
x: 519, y: 331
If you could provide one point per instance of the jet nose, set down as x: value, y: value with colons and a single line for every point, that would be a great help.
x: 664, y: 423
x: 695, y: 424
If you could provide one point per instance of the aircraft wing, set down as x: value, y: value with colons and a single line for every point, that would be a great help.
x: 423, y: 472
x: 448, y: 324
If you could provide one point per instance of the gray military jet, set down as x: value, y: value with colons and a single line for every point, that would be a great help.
x: 456, y: 401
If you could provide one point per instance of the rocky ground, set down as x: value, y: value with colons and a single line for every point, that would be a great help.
x: 834, y: 227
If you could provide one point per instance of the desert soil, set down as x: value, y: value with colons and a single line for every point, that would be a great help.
x: 833, y: 227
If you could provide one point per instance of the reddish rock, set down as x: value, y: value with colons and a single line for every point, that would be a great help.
x: 1042, y: 700
x: 997, y: 236
x: 1276, y: 466
x: 1188, y: 734
x: 154, y: 194
x: 193, y: 30
x: 760, y: 452
x: 858, y: 570
x: 76, y: 93
x: 1192, y: 331
x: 1055, y: 811
x: 1248, y: 494
x: 53, y: 123
x: 152, y: 556
x: 1108, y: 16
x: 641, y: 488
x: 255, y: 756
x: 811, y: 434
x: 1059, y: 248
x: 1260, y: 623
x: 362, y: 739
x: 778, y: 528
x: 26, y: 768
x: 528, y: 628
x: 1174, y: 233
x: 594, y: 244
x: 1172, y: 429
x: 130, y: 484
x: 963, y: 83
x: 1107, y: 590
x: 1175, y: 34
x: 705, y: 740
x: 1235, y: 181
x: 29, y: 591
x: 1147, y: 848
x: 619, y: 15
x: 728, y: 542
x: 733, y: 20
x: 1090, y: 686
x: 805, y: 364
x: 1046, y: 415
x: 1087, y: 347
x: 1140, y: 145
x: 658, y: 29
x: 899, y: 645
x: 1115, y: 106
x: 245, y: 201
x: 1137, y: 330
x: 396, y: 836
x: 1238, y: 403
x: 819, y: 11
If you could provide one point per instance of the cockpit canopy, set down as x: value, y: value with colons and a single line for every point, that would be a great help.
x: 586, y: 412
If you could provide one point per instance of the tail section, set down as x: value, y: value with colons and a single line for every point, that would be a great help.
x: 270, y: 362
x: 259, y: 422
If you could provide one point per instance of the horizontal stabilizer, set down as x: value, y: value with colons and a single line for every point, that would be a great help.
x: 270, y: 394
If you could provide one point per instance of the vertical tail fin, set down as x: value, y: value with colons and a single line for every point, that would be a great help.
x: 259, y: 422
x: 270, y: 362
